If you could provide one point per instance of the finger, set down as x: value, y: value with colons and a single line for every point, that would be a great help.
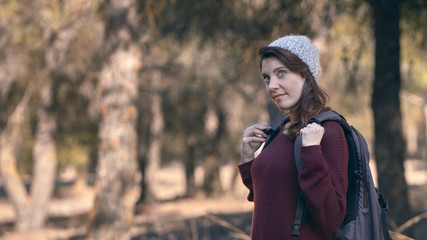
x: 261, y: 126
x: 256, y: 131
x: 313, y: 125
x: 309, y: 129
x: 253, y: 139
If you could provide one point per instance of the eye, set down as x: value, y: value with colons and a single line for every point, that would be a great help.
x: 281, y: 74
x: 266, y: 78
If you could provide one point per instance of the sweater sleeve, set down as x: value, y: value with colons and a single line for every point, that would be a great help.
x: 245, y: 173
x: 324, y: 178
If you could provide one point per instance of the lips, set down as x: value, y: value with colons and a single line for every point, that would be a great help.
x: 278, y: 96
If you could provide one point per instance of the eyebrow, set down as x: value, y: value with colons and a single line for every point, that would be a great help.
x: 274, y: 70
x: 278, y: 68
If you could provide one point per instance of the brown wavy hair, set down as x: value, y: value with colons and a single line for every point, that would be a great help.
x: 313, y: 99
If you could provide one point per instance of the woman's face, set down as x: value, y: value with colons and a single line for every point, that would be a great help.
x: 283, y: 86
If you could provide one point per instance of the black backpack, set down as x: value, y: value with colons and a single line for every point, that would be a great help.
x: 366, y: 208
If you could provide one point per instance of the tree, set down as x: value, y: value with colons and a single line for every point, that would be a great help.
x: 47, y: 56
x: 414, y: 48
x: 154, y: 160
x: 389, y: 145
x: 117, y: 175
x: 9, y: 138
x: 30, y: 208
x: 214, y: 130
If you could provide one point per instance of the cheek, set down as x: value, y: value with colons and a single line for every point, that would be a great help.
x: 268, y: 90
x: 299, y: 85
x: 299, y: 89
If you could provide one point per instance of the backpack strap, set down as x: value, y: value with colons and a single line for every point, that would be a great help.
x: 330, y: 115
x: 301, y: 213
x: 275, y: 129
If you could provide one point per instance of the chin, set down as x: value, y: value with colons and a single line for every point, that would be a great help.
x: 283, y: 108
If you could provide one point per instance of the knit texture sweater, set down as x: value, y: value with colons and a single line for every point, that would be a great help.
x: 274, y: 186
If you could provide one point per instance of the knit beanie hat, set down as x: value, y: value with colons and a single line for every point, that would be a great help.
x: 303, y: 48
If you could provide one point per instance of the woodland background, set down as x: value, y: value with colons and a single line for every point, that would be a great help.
x: 123, y: 119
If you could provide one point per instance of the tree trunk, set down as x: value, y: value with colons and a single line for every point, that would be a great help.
x: 389, y: 145
x: 190, y: 166
x: 30, y: 210
x: 117, y: 178
x: 212, y: 181
x: 424, y: 137
x: 214, y: 128
x: 9, y: 142
x: 154, y: 157
x: 33, y: 215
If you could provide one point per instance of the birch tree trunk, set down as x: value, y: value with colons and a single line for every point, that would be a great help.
x: 117, y: 178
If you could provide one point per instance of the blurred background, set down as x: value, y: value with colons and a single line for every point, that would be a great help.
x: 124, y: 118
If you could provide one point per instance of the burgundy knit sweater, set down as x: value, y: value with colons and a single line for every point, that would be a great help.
x: 275, y: 185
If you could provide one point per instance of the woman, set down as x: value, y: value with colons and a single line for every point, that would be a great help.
x: 290, y: 67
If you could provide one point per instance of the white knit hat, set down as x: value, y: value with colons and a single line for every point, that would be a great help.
x: 303, y: 48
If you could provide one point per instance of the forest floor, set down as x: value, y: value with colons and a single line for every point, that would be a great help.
x: 174, y: 218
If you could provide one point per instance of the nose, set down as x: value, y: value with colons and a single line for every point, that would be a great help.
x: 273, y: 84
